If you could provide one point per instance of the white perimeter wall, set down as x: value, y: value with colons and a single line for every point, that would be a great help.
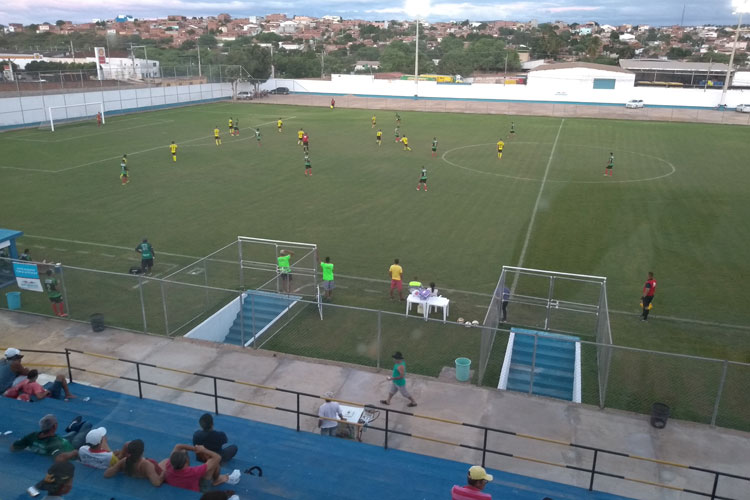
x: 561, y: 90
x: 31, y: 110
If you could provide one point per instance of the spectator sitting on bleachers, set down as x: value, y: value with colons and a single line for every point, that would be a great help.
x: 12, y: 373
x: 477, y: 479
x: 213, y: 439
x: 95, y: 453
x: 30, y: 390
x: 47, y: 442
x: 136, y: 466
x: 178, y: 473
x: 58, y: 481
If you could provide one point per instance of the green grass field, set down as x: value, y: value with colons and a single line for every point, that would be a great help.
x: 677, y: 205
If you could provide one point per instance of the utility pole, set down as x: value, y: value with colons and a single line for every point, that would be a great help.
x: 200, y: 73
x: 505, y: 72
x: 322, y: 62
x: 273, y: 70
x: 682, y: 19
x: 72, y: 52
x: 722, y: 102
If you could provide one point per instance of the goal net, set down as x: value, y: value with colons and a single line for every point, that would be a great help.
x: 550, y: 301
x: 259, y: 268
x: 72, y: 113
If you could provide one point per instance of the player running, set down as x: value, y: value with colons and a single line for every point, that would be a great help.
x: 397, y: 133
x: 124, y: 177
x: 173, y: 150
x: 512, y: 129
x: 258, y: 135
x: 423, y: 180
x: 374, y: 119
x: 217, y: 138
x: 300, y: 133
x: 500, y: 146
x: 434, y: 146
x: 379, y: 137
x: 279, y: 124
x: 405, y: 142
x: 231, y: 126
x: 305, y: 143
x: 610, y: 165
x: 398, y: 119
x: 308, y: 166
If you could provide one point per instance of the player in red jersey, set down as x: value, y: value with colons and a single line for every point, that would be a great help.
x: 648, y: 295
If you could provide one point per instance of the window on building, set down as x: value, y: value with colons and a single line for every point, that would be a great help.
x: 604, y: 83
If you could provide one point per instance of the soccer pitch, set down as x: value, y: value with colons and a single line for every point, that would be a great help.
x: 676, y: 205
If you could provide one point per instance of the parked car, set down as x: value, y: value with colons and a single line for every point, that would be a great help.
x: 280, y: 90
x: 244, y: 95
x: 743, y: 108
x: 634, y: 104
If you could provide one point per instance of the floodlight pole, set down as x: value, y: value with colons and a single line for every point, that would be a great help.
x: 416, y: 61
x: 731, y: 61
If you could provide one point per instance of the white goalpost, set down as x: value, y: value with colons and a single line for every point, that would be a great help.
x: 72, y: 113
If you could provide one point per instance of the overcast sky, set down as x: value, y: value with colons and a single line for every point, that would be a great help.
x: 659, y: 12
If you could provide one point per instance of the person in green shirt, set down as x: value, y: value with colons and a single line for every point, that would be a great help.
x: 398, y: 377
x: 47, y: 442
x: 327, y: 267
x: 284, y: 268
x: 147, y: 255
x: 54, y: 295
x: 308, y: 166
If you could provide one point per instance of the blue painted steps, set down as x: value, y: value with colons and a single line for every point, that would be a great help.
x: 259, y: 311
x: 556, y: 370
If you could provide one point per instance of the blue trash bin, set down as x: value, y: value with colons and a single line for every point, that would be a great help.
x: 463, y: 369
x: 14, y: 300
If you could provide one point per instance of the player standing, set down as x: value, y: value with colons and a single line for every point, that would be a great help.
x: 217, y: 138
x: 54, y: 295
x: 379, y: 137
x: 405, y: 141
x: 423, y: 180
x: 231, y: 126
x: 173, y: 149
x: 308, y: 166
x: 258, y: 135
x: 305, y: 143
x: 279, y: 124
x: 300, y: 133
x: 147, y: 255
x: 610, y: 165
x: 648, y: 295
x: 374, y: 119
x: 237, y: 127
x: 500, y: 146
x: 512, y: 129
x: 434, y: 146
x: 333, y: 103
x: 398, y: 119
x: 99, y: 119
x: 124, y: 177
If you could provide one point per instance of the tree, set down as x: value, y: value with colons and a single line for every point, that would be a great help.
x: 455, y: 62
x: 451, y: 43
x: 686, y: 38
x: 397, y: 56
x: 678, y: 53
x: 255, y: 59
x: 614, y: 37
x: 207, y: 40
x: 651, y: 36
x: 591, y: 45
x: 59, y: 22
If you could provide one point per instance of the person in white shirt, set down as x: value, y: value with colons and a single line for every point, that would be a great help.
x: 96, y: 453
x: 329, y: 409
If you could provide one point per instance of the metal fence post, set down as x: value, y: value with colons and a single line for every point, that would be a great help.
x: 380, y: 331
x: 164, y: 304
x: 385, y: 445
x: 67, y: 360
x: 484, y: 446
x: 242, y: 321
x: 143, y: 304
x: 65, y: 291
x: 138, y: 376
x: 533, y: 366
x: 725, y: 366
x: 242, y: 271
x: 593, y: 470
x: 298, y: 412
x: 252, y: 317
x: 216, y: 397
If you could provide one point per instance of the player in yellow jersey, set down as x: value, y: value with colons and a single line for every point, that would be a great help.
x: 500, y: 146
x: 217, y: 138
x: 379, y: 137
x: 173, y: 149
x: 279, y: 124
x: 405, y: 142
x: 373, y: 121
x: 231, y: 126
x: 300, y: 133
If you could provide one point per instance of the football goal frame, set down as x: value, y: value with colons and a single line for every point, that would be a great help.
x: 73, y: 113
x: 258, y: 261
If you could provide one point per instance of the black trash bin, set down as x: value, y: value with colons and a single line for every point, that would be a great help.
x: 659, y: 415
x: 97, y: 322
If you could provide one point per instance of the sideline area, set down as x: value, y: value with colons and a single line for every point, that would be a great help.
x: 680, y: 442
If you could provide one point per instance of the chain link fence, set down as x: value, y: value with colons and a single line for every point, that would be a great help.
x: 707, y: 391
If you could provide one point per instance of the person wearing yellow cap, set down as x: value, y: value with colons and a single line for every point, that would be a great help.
x: 477, y: 479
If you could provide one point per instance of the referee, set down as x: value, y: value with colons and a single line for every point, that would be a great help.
x: 648, y: 295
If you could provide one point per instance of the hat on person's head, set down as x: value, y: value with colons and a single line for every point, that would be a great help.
x: 13, y: 353
x: 47, y: 422
x: 95, y: 436
x: 397, y: 355
x: 328, y: 395
x: 476, y: 473
x: 57, y: 476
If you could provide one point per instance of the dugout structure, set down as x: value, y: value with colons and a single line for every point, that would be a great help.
x: 551, y: 301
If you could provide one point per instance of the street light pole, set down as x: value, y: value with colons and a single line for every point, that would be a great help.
x: 416, y: 62
x: 731, y: 61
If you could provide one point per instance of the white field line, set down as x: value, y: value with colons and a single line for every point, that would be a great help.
x: 157, y: 275
x: 104, y: 245
x: 526, y: 241
x: 95, y: 134
x: 131, y: 154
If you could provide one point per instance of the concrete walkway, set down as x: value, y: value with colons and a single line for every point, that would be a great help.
x: 681, y: 442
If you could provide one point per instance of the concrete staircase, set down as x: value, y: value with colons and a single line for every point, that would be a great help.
x: 259, y: 311
x: 555, y: 366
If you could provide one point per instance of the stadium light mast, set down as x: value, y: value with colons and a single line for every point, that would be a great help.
x: 416, y: 60
x: 740, y: 7
x: 416, y: 9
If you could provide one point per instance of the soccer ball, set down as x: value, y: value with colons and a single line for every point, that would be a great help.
x: 475, y: 323
x: 460, y: 320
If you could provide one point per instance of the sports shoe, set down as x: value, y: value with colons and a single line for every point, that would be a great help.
x: 75, y: 425
x: 234, y: 477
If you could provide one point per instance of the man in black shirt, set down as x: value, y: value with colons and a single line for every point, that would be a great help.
x: 213, y: 440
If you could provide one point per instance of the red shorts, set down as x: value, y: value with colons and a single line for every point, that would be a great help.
x: 396, y: 284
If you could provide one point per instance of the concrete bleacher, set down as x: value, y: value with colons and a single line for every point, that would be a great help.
x: 297, y: 465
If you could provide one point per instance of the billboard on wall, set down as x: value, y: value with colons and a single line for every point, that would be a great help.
x: 101, y: 59
x: 27, y: 276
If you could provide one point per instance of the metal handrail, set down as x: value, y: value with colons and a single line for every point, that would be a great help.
x: 593, y: 471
